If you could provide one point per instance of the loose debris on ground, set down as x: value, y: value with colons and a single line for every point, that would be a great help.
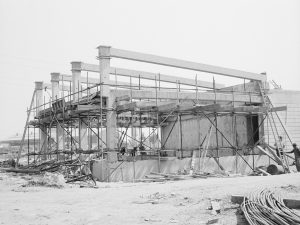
x: 47, y: 180
x: 184, y: 202
x: 55, y: 172
x: 161, y: 177
x: 8, y: 163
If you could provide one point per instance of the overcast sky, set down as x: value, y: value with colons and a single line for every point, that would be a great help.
x: 39, y: 37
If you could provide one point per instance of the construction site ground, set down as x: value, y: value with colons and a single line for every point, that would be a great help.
x: 171, y: 202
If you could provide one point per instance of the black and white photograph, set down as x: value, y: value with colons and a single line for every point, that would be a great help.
x: 151, y: 112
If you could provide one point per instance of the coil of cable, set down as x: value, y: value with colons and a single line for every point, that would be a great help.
x: 265, y: 207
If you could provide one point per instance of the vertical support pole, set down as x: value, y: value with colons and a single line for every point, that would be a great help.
x: 76, y: 81
x: 55, y: 77
x: 234, y: 132
x: 43, y: 128
x: 180, y: 129
x: 133, y: 130
x: 196, y: 86
x: 178, y: 121
x: 117, y: 128
x: 198, y: 124
x: 111, y: 119
x: 28, y: 144
x: 90, y: 129
x: 268, y: 128
x: 140, y: 117
x: 130, y: 124
x: 34, y: 144
x: 77, y: 94
x: 216, y: 118
x: 157, y: 124
x: 111, y: 122
x: 180, y: 125
x: 63, y: 114
x: 71, y: 122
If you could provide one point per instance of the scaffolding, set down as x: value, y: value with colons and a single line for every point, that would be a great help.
x: 100, y: 118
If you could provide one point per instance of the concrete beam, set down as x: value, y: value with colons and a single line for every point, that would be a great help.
x: 61, y: 88
x: 141, y: 105
x: 144, y: 75
x: 162, y: 78
x: 165, y: 61
x: 203, y: 96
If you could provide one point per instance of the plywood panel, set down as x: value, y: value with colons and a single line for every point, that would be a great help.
x: 194, y: 131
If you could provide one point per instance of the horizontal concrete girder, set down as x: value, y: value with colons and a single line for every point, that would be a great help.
x: 142, y: 105
x: 49, y: 86
x: 202, y: 96
x: 144, y: 75
x: 183, y: 64
x: 162, y: 78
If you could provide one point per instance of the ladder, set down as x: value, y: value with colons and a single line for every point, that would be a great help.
x: 267, y: 102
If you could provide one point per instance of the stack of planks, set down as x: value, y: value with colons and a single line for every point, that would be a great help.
x: 161, y: 177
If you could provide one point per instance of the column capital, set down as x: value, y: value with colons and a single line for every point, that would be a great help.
x: 76, y: 66
x: 55, y: 77
x: 104, y: 52
x: 38, y: 85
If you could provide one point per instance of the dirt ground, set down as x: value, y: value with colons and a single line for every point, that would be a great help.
x: 174, y: 202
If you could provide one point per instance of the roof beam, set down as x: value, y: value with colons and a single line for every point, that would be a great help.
x: 61, y: 88
x: 163, y: 78
x: 148, y: 76
x: 93, y: 81
x: 160, y: 60
x: 203, y: 96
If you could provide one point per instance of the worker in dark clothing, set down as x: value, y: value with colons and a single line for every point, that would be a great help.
x: 296, y: 152
x: 133, y: 151
x: 279, y: 147
x: 142, y: 150
x: 123, y: 150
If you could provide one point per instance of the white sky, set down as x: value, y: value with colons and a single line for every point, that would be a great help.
x: 39, y: 37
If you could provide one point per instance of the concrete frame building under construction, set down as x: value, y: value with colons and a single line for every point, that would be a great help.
x: 164, y: 122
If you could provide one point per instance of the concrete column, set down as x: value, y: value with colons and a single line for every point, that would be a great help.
x: 76, y: 87
x: 134, y: 135
x: 56, y: 95
x: 39, y: 106
x: 76, y: 81
x: 111, y: 124
x: 55, y: 86
x: 83, y: 132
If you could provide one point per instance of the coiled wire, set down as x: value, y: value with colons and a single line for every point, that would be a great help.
x: 264, y: 207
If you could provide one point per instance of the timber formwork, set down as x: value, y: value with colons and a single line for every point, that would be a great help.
x: 127, y: 109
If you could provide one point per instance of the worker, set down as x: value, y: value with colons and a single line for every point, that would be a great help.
x: 296, y: 152
x: 133, y: 151
x: 142, y: 150
x: 279, y: 147
x: 123, y: 150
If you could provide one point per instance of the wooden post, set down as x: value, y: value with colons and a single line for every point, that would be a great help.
x: 216, y: 118
x: 158, y: 149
